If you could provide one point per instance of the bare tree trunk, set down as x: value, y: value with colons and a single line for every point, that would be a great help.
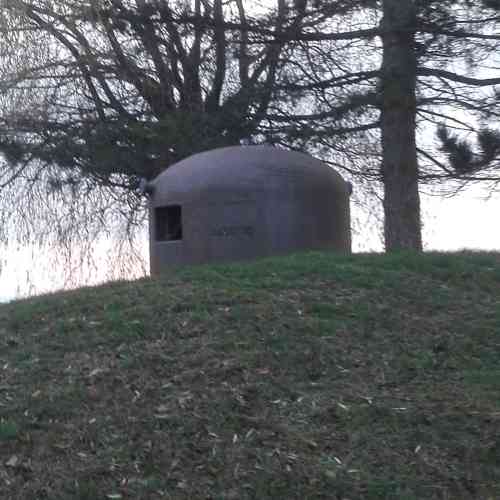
x: 400, y: 163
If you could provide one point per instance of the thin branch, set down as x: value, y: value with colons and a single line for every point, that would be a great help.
x: 455, y: 77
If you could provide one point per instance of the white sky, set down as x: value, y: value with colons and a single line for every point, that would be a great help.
x: 467, y: 221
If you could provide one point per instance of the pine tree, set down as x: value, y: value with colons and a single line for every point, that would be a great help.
x: 410, y: 67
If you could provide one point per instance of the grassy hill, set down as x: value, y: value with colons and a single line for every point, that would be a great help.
x: 311, y: 376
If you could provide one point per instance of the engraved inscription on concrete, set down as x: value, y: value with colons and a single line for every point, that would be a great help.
x: 232, y: 231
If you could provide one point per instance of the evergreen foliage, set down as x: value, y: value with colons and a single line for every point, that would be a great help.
x: 113, y: 91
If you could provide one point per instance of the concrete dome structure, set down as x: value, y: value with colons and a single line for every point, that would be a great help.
x: 244, y: 202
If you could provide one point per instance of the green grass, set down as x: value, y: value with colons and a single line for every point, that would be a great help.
x: 8, y: 430
x: 310, y: 376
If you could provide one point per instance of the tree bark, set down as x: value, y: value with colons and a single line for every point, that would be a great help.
x: 398, y: 123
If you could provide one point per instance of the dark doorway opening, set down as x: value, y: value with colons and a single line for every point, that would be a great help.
x: 168, y: 223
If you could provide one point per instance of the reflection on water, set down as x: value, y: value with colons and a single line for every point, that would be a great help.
x: 32, y: 270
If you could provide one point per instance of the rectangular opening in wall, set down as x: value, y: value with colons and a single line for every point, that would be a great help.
x: 168, y: 223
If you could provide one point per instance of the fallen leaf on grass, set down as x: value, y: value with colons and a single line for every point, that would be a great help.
x: 12, y: 462
x: 162, y: 417
x: 61, y: 446
x: 330, y: 474
x: 311, y: 443
x: 92, y: 392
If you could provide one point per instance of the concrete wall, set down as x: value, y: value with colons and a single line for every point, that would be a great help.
x: 244, y: 202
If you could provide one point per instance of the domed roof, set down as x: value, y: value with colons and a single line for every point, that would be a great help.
x: 245, y: 202
x: 225, y: 167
